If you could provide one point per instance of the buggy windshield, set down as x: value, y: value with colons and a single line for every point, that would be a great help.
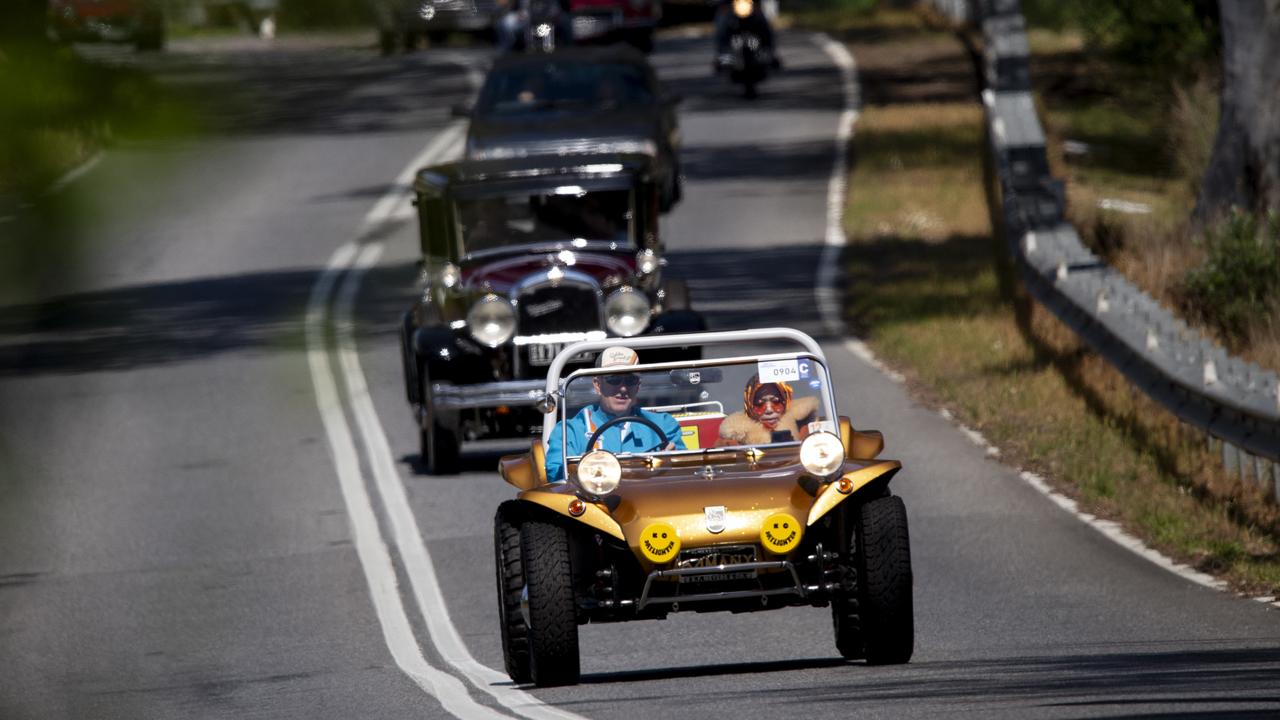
x: 709, y: 405
x: 566, y: 213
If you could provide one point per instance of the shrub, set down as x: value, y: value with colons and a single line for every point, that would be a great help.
x: 1237, y: 285
x: 1164, y: 38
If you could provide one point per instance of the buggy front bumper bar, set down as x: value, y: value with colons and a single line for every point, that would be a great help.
x: 796, y: 588
x: 513, y: 393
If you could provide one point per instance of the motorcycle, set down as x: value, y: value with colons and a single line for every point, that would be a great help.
x: 543, y: 19
x: 748, y: 60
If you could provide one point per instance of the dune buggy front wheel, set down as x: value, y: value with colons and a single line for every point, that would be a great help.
x: 885, y: 605
x: 506, y: 547
x: 552, y: 611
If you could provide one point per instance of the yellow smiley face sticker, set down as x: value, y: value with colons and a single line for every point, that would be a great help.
x: 660, y: 543
x: 780, y: 533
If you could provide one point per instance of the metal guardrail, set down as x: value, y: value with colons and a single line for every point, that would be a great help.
x: 1236, y: 403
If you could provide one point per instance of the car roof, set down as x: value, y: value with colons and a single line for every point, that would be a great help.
x: 576, y: 54
x: 534, y: 167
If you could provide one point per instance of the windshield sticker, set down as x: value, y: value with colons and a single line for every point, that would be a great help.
x: 778, y: 370
x: 822, y: 426
x: 806, y: 369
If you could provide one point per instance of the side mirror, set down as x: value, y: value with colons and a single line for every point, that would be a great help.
x: 460, y: 110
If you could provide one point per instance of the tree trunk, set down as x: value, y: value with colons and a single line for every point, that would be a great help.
x: 1244, y: 170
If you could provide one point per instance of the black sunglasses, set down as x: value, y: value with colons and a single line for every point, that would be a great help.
x: 620, y: 380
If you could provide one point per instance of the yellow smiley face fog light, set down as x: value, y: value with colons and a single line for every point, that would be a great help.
x: 660, y: 543
x: 780, y: 533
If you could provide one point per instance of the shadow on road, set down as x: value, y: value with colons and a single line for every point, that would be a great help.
x: 745, y: 288
x: 136, y: 326
x: 1234, y: 683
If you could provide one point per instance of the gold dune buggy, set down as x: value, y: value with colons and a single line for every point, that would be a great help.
x: 798, y: 513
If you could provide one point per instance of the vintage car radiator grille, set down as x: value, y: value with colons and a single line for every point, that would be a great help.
x: 562, y: 308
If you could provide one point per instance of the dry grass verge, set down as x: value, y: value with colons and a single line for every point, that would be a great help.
x: 930, y: 290
x: 1114, y: 134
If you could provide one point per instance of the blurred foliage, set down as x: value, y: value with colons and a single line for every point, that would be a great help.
x: 58, y: 110
x: 1237, y: 285
x: 296, y: 14
x: 1167, y: 38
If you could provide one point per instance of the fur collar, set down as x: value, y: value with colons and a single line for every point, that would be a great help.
x: 740, y: 429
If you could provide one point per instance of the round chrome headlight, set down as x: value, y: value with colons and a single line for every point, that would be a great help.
x: 646, y: 262
x: 492, y: 320
x: 626, y: 312
x: 449, y: 275
x: 599, y: 472
x: 822, y: 454
x: 743, y: 8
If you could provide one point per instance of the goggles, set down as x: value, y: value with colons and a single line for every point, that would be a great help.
x: 764, y: 403
x: 617, y: 381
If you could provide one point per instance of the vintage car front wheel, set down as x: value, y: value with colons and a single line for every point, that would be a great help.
x: 885, y: 604
x: 552, y: 612
x: 438, y: 445
x: 506, y: 547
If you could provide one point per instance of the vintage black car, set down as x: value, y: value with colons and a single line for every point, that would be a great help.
x: 578, y: 100
x: 520, y: 258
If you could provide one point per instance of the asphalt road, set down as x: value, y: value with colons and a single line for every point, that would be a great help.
x: 210, y: 503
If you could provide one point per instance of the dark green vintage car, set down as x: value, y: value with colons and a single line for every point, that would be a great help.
x: 522, y: 257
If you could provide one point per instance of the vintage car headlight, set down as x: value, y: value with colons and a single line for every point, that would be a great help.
x: 626, y: 312
x: 742, y: 8
x: 449, y: 275
x: 599, y: 472
x: 492, y: 320
x: 646, y: 262
x: 822, y: 454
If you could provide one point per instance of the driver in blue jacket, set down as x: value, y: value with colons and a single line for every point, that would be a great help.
x: 617, y: 399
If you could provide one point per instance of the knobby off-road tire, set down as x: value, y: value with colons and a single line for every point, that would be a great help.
x: 884, y: 582
x: 510, y: 572
x: 553, y: 623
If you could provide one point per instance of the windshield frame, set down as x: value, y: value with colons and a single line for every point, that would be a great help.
x: 488, y: 106
x: 827, y: 396
x: 481, y: 191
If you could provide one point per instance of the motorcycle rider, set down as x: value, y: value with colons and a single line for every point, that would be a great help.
x: 514, y: 19
x: 755, y: 21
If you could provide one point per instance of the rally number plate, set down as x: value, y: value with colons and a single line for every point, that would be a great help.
x: 541, y: 354
x: 713, y: 557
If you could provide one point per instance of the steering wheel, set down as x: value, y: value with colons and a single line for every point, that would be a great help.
x: 631, y: 418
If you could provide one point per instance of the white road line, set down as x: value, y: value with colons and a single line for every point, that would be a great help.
x: 75, y: 173
x: 825, y: 290
x: 405, y: 532
x: 830, y: 308
x: 374, y: 558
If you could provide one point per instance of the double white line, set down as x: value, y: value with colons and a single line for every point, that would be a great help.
x: 338, y: 286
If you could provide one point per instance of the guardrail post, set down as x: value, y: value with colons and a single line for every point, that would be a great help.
x: 1275, y: 480
x: 1230, y: 457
